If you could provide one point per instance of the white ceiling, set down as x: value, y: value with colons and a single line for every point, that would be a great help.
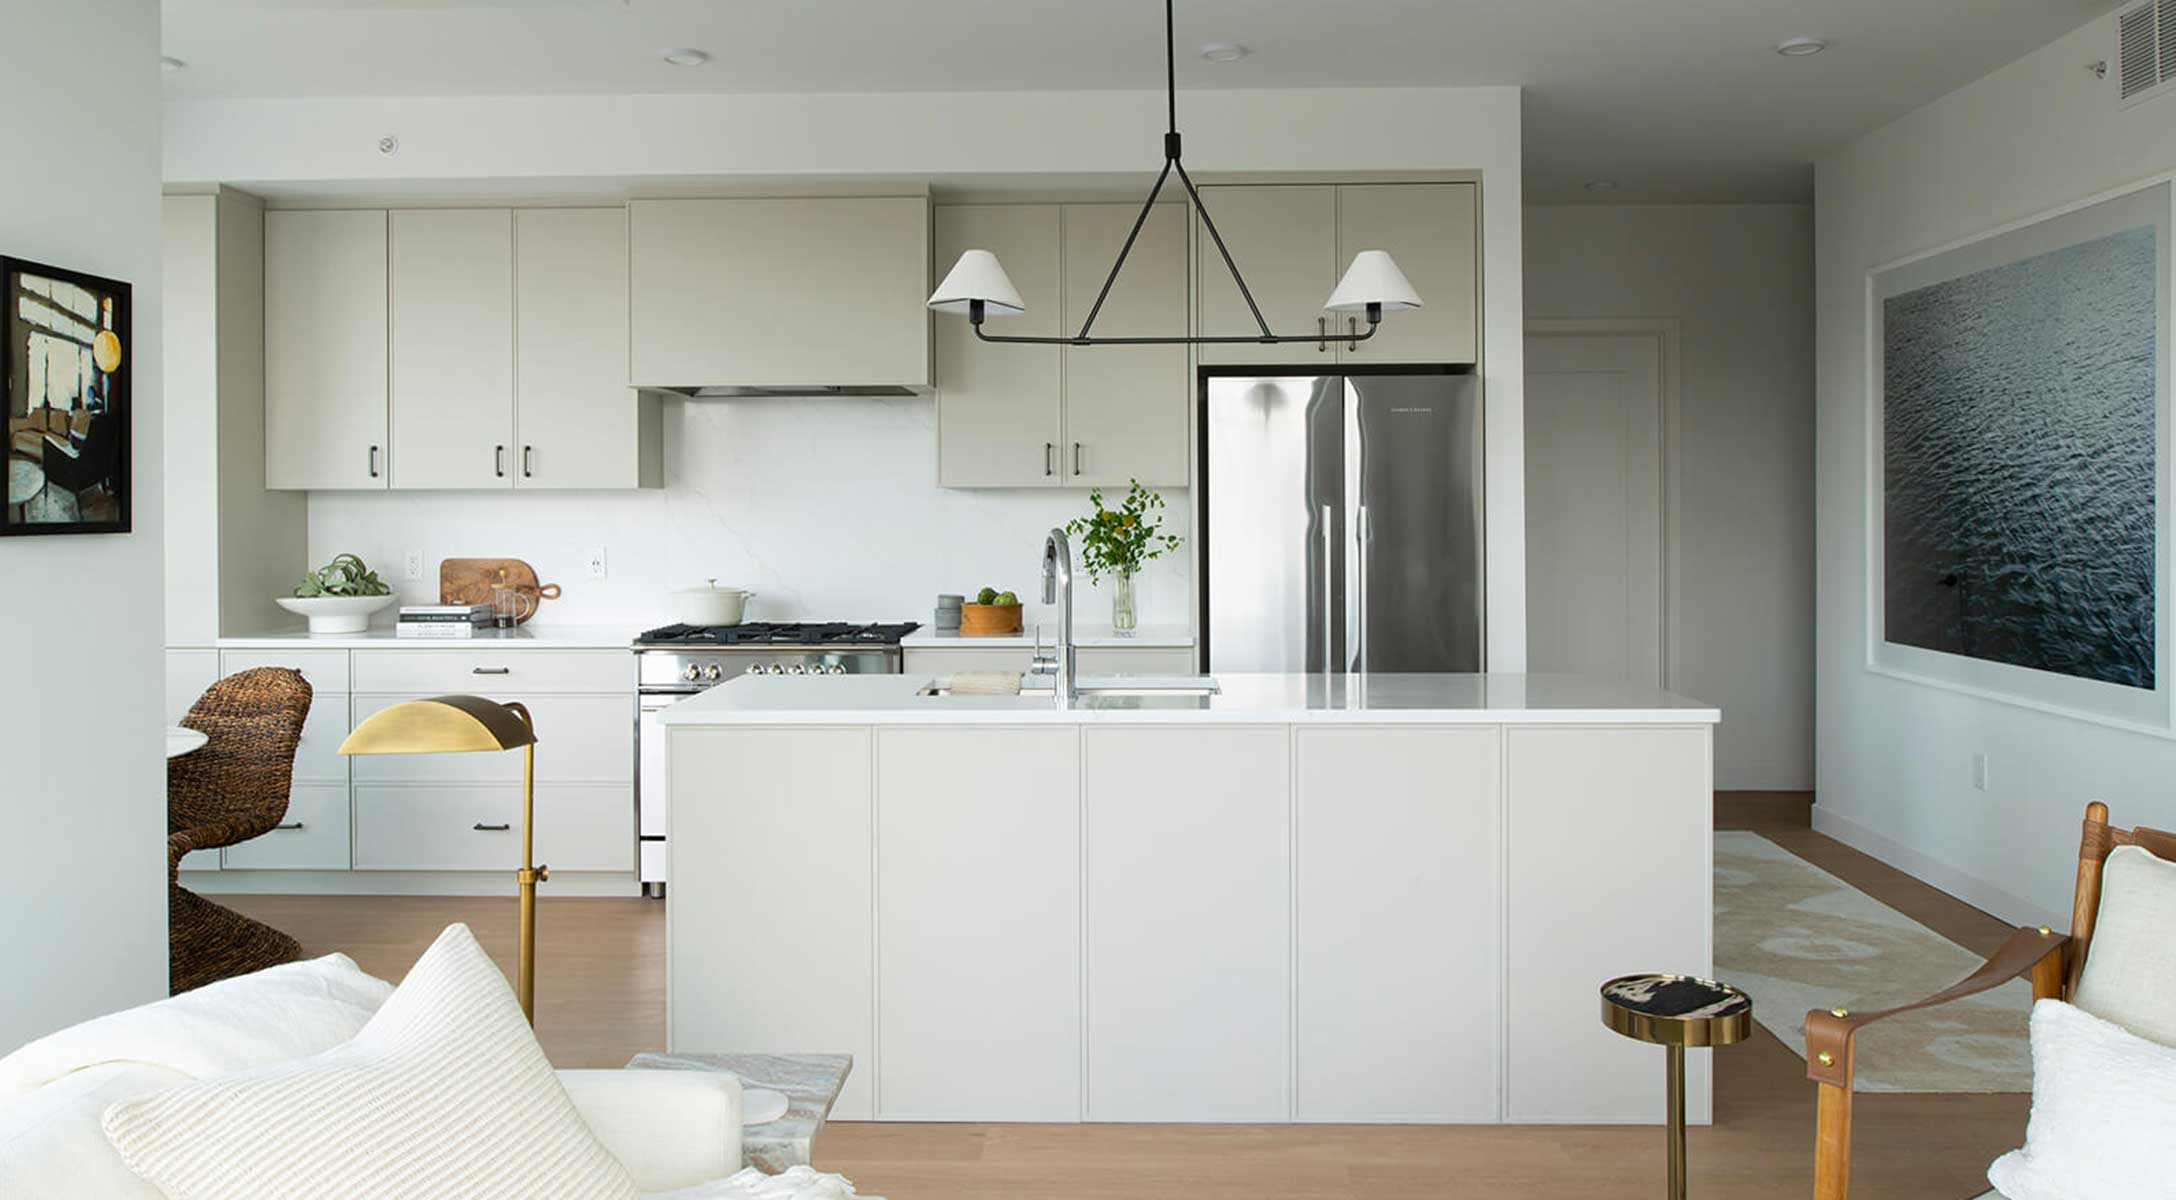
x: 1674, y: 99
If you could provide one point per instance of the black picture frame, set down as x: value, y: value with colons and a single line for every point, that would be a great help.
x: 113, y: 406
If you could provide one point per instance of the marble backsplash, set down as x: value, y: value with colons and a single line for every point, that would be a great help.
x: 827, y: 509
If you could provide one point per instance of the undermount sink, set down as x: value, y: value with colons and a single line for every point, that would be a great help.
x: 1097, y: 686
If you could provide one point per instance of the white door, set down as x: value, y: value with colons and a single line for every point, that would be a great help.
x: 453, y: 348
x: 325, y: 350
x: 1594, y: 504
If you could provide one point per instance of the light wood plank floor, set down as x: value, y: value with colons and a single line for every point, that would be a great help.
x: 600, y: 984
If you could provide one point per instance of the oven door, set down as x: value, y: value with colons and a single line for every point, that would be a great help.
x: 653, y: 793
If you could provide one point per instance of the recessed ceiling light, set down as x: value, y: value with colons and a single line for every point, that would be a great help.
x: 1800, y: 47
x: 685, y: 56
x: 1223, y: 52
x: 1601, y: 185
x: 168, y: 62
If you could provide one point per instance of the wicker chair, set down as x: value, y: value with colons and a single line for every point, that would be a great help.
x: 233, y: 789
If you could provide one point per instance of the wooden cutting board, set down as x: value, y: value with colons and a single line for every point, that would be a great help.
x: 471, y: 580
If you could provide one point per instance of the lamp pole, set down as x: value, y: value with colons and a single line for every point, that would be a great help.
x: 530, y: 874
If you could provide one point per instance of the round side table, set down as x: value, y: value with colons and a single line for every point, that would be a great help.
x: 1676, y: 1011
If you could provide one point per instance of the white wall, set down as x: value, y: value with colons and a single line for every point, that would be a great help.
x: 1739, y: 280
x: 1894, y: 757
x: 590, y: 145
x: 82, y: 780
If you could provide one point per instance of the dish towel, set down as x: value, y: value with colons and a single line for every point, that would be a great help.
x: 985, y: 683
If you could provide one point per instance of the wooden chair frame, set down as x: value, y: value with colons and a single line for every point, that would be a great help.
x: 2054, y: 962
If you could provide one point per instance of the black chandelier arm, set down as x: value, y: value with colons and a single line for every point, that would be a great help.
x: 976, y: 313
x: 1147, y: 206
x: 1202, y: 210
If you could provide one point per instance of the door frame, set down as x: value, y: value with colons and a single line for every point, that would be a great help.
x: 1666, y: 334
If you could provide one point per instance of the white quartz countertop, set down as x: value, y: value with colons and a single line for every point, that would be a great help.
x: 1160, y: 637
x: 532, y: 635
x: 1266, y: 699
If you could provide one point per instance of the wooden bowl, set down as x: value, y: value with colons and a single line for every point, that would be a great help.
x: 986, y: 620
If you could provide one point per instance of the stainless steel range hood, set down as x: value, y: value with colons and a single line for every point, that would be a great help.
x: 788, y: 389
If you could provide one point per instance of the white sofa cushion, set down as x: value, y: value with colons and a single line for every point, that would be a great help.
x: 2130, y: 968
x: 669, y: 1129
x: 443, y: 1094
x: 2103, y: 1106
x: 51, y: 1146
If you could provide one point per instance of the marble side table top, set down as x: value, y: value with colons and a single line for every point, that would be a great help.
x: 810, y: 1082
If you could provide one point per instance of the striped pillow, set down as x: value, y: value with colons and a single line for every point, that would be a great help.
x: 444, y: 1094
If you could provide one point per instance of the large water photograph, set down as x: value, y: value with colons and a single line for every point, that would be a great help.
x: 2019, y: 454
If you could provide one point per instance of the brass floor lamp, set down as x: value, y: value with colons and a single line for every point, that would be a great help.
x: 458, y: 724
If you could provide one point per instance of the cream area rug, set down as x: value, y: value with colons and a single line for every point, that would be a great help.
x: 1796, y: 938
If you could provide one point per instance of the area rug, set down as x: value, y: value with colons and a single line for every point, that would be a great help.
x: 1796, y: 938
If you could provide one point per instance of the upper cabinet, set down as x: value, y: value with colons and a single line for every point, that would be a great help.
x: 1294, y: 241
x: 1066, y: 416
x: 325, y: 384
x: 577, y: 423
x: 453, y: 348
x: 780, y: 292
x: 460, y: 348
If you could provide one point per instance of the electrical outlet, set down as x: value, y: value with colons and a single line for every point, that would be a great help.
x: 415, y: 564
x: 1979, y: 772
x: 597, y: 563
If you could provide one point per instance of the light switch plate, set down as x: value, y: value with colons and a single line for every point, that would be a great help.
x: 597, y: 565
x: 415, y: 564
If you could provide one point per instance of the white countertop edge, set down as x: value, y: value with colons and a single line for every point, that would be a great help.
x: 962, y: 711
x: 1097, y: 637
x: 526, y: 637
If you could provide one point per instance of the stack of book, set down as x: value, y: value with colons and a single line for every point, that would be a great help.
x: 442, y: 620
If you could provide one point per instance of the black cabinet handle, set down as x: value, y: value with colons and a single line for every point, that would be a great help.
x: 483, y: 828
x: 373, y: 462
x: 289, y: 825
x: 1050, y: 451
x: 528, y: 457
x: 490, y: 670
x: 498, y: 461
x: 1076, y: 458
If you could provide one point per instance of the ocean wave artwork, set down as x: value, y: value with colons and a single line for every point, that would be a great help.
x: 2019, y: 464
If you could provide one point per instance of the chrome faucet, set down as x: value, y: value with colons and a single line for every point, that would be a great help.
x: 1058, y: 590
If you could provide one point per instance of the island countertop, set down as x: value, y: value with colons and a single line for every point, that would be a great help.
x: 1484, y: 699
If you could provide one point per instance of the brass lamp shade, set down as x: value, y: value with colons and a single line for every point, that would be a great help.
x: 462, y: 724
x: 441, y: 725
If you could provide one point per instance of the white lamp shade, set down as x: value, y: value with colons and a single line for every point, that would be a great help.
x: 977, y: 276
x: 1373, y: 278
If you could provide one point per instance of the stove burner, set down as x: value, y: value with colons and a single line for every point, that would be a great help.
x: 777, y: 633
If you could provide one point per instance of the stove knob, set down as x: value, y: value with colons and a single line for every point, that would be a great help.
x: 713, y: 672
x: 836, y: 669
x: 691, y: 672
x: 795, y: 669
x: 774, y: 669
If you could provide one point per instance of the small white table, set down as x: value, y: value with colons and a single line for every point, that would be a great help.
x: 25, y: 480
x: 181, y: 741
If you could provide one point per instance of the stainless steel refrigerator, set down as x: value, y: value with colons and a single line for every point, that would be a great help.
x: 1338, y: 522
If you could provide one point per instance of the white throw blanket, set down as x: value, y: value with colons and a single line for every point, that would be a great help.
x: 794, y: 1183
x: 272, y: 1016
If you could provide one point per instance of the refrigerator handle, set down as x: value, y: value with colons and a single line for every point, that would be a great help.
x: 1361, y: 534
x: 1328, y: 584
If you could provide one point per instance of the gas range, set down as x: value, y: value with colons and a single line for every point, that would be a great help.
x: 681, y: 659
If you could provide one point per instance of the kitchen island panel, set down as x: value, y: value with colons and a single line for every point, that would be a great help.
x: 770, y: 933
x: 1189, y: 923
x: 978, y: 923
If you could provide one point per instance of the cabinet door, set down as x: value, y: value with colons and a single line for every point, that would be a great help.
x: 1125, y: 406
x: 453, y: 348
x: 1431, y: 229
x: 1189, y: 923
x: 953, y: 834
x: 1398, y: 945
x: 997, y: 406
x: 1285, y: 242
x: 325, y: 350
x: 771, y: 292
x: 577, y: 422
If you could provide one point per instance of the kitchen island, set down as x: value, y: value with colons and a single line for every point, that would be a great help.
x: 1384, y: 898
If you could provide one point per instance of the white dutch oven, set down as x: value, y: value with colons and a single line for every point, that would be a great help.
x: 709, y: 605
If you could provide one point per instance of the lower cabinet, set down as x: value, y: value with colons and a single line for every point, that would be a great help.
x: 1189, y: 942
x: 314, y: 836
x: 978, y: 923
x: 477, y: 827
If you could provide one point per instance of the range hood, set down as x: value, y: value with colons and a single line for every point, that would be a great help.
x: 788, y: 389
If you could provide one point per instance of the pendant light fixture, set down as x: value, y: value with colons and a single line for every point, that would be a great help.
x: 977, y: 285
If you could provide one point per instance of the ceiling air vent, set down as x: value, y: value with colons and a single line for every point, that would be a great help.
x: 2146, y: 49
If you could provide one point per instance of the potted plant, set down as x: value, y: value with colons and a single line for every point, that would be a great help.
x: 339, y: 596
x: 1117, y: 541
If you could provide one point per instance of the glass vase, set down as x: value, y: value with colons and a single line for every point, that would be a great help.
x: 1124, y: 617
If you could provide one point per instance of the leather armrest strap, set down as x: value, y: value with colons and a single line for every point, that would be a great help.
x: 1829, y: 1034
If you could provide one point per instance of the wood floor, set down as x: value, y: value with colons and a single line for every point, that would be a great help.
x: 600, y: 984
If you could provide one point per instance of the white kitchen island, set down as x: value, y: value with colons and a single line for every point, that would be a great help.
x: 1387, y: 898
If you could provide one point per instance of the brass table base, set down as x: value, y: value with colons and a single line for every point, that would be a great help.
x: 1676, y: 1011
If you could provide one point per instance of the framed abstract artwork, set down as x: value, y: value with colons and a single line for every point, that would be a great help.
x: 65, y: 360
x: 2019, y: 458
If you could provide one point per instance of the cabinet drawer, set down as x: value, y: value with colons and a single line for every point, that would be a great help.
x: 313, y: 837
x: 493, y: 671
x: 326, y: 671
x: 317, y: 756
x: 423, y: 828
x: 580, y: 739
